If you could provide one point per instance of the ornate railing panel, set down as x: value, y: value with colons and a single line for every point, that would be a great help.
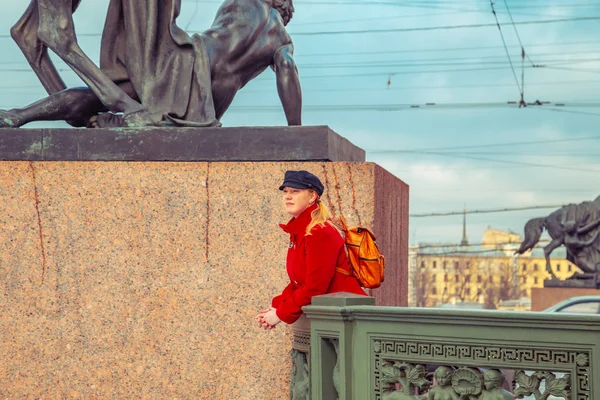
x: 387, y: 353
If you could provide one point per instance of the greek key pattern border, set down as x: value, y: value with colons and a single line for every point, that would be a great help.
x: 397, y: 350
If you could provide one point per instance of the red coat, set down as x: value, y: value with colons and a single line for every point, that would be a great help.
x: 311, y: 263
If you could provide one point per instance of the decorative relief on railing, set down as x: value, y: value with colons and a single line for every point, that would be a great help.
x: 301, y: 341
x: 336, y: 368
x: 300, y: 379
x: 528, y: 385
x: 401, y: 372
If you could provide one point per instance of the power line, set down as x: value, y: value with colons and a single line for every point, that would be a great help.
x: 572, y: 69
x: 433, y: 87
x: 512, y: 144
x: 440, y: 27
x: 458, y: 245
x: 445, y: 49
x: 523, y: 53
x: 570, y: 111
x: 391, y: 30
x: 495, y: 210
x: 524, y: 163
x: 440, y: 62
x: 512, y: 68
x: 407, y: 63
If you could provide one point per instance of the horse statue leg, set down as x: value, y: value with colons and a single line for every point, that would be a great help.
x: 554, y: 244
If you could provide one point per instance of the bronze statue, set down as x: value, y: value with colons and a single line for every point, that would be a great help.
x: 49, y: 24
x: 182, y: 80
x: 577, y: 227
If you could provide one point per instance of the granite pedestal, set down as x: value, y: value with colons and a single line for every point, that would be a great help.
x: 142, y: 279
x: 542, y: 298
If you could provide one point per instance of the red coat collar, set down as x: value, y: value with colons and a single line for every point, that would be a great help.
x: 297, y: 225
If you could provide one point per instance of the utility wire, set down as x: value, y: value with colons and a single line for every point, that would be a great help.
x: 193, y: 16
x: 441, y: 27
x: 444, y: 49
x: 415, y: 29
x: 519, y: 86
x: 524, y: 163
x: 405, y: 63
x: 495, y: 210
x: 458, y: 245
x: 570, y: 111
x: 511, y: 144
x: 524, y: 54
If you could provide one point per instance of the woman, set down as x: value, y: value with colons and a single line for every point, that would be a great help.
x: 315, y: 251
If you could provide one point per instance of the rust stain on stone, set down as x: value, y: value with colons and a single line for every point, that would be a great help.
x: 37, y: 210
x: 353, y: 194
x: 337, y: 189
x: 330, y: 205
x: 207, y: 240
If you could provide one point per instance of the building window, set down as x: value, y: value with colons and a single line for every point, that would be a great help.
x: 535, y: 267
x: 491, y: 279
x: 570, y: 268
x: 456, y: 264
x: 434, y: 291
x: 445, y: 277
x: 434, y: 264
x: 479, y: 279
x: 456, y: 278
x: 433, y: 277
x: 535, y: 280
x: 467, y: 291
x: 468, y: 278
x: 444, y: 264
x: 558, y: 267
x: 468, y: 264
x: 524, y: 267
x: 422, y: 264
x: 524, y: 279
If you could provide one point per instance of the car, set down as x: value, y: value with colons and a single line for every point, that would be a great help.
x: 467, y: 306
x: 577, y: 305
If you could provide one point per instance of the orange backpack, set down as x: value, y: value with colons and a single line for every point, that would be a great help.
x: 366, y: 261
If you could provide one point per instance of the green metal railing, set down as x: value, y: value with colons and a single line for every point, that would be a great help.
x: 356, y: 350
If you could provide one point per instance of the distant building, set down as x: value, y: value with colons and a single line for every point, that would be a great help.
x: 487, y: 273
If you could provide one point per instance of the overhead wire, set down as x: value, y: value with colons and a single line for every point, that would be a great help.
x: 440, y: 27
x: 478, y: 146
x: 443, y: 49
x: 523, y: 163
x: 488, y: 211
x: 521, y: 85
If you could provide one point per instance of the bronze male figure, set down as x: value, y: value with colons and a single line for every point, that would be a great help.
x: 246, y: 37
x: 49, y: 24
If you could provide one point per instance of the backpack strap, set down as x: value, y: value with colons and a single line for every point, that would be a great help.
x: 343, y: 221
x: 343, y: 271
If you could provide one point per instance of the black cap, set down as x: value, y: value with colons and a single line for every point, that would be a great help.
x: 302, y: 180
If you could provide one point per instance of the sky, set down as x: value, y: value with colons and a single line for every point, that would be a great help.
x: 425, y: 88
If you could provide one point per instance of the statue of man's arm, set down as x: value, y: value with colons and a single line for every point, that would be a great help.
x: 288, y: 84
x: 589, y: 227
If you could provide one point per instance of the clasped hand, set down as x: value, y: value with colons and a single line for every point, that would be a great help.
x: 268, y: 319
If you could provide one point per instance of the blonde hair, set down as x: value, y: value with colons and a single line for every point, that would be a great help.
x: 319, y: 216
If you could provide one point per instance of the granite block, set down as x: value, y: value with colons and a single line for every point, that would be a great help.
x: 296, y: 143
x: 542, y: 298
x: 143, y: 279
